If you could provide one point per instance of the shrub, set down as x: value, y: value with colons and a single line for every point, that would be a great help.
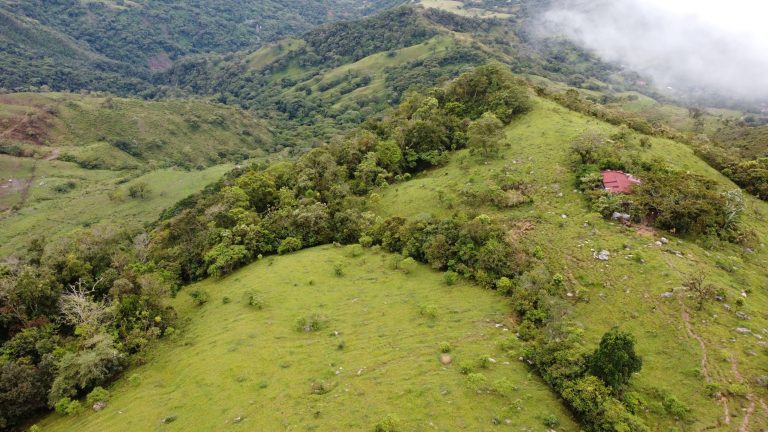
x: 226, y: 300
x: 478, y: 382
x: 98, y: 394
x: 465, y: 368
x: 389, y: 423
x: 483, y: 362
x: 254, y: 300
x: 68, y: 407
x: 551, y: 421
x: 311, y: 323
x: 407, y: 265
x: 366, y: 241
x: 450, y: 277
x: 338, y: 269
x: 199, y: 296
x: 354, y: 251
x: 445, y: 347
x: 290, y: 244
x: 428, y: 311
x: 138, y: 190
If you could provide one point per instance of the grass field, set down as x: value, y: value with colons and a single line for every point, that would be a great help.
x: 622, y: 291
x: 50, y: 213
x: 376, y: 355
x: 84, y: 152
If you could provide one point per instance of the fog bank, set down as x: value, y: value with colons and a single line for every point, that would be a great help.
x: 685, y: 44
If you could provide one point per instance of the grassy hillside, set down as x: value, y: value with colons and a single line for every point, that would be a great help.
x: 60, y: 197
x: 376, y: 355
x: 687, y: 354
x: 70, y: 160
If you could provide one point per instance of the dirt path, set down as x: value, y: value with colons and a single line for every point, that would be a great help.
x: 750, y: 409
x: 691, y: 333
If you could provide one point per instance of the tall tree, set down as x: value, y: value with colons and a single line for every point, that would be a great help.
x: 615, y: 359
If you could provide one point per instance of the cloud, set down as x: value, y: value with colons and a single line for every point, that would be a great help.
x: 686, y: 44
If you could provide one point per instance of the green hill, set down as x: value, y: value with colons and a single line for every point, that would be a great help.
x: 687, y: 354
x: 376, y: 355
x: 64, y: 152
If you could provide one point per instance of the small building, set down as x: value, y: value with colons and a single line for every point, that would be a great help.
x: 619, y: 182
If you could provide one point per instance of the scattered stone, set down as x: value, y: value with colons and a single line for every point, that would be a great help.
x: 664, y: 240
x: 742, y: 316
x: 491, y: 360
x: 727, y: 306
x: 446, y: 359
x: 658, y: 243
x: 624, y: 217
x: 667, y: 294
x: 507, y: 421
x: 604, y: 255
x: 237, y: 419
x: 744, y: 294
x: 98, y: 406
x: 743, y: 330
x: 564, y: 216
x: 762, y: 381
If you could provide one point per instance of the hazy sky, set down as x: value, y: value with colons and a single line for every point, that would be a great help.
x: 717, y: 44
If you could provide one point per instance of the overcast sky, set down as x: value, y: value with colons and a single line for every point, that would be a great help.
x: 717, y: 44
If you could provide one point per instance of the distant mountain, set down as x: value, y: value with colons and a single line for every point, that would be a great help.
x: 115, y: 45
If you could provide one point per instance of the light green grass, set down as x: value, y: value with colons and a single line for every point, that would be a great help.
x: 193, y: 133
x: 50, y: 214
x: 233, y: 361
x: 460, y: 8
x: 269, y: 53
x: 621, y: 291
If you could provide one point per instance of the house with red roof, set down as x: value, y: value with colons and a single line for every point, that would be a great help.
x: 619, y: 181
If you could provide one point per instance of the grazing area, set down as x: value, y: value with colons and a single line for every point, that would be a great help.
x: 377, y: 215
x: 370, y: 353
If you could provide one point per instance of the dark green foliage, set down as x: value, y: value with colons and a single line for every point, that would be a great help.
x: 115, y: 48
x: 199, y: 296
x: 615, y: 359
x: 22, y: 391
x: 683, y: 203
x: 290, y: 244
x: 752, y: 175
x: 489, y: 88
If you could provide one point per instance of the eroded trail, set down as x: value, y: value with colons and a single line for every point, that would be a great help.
x: 689, y: 329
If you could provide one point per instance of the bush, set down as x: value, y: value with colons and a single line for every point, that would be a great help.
x: 445, y: 347
x: 450, y: 277
x: 138, y: 190
x: 338, y: 269
x: 428, y: 311
x: 199, y: 296
x: 551, y: 421
x: 407, y: 265
x: 68, y: 407
x: 366, y: 241
x: 389, y: 423
x: 311, y: 323
x: 290, y: 244
x: 98, y: 394
x: 254, y: 300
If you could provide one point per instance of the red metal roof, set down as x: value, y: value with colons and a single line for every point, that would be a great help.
x: 618, y: 181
